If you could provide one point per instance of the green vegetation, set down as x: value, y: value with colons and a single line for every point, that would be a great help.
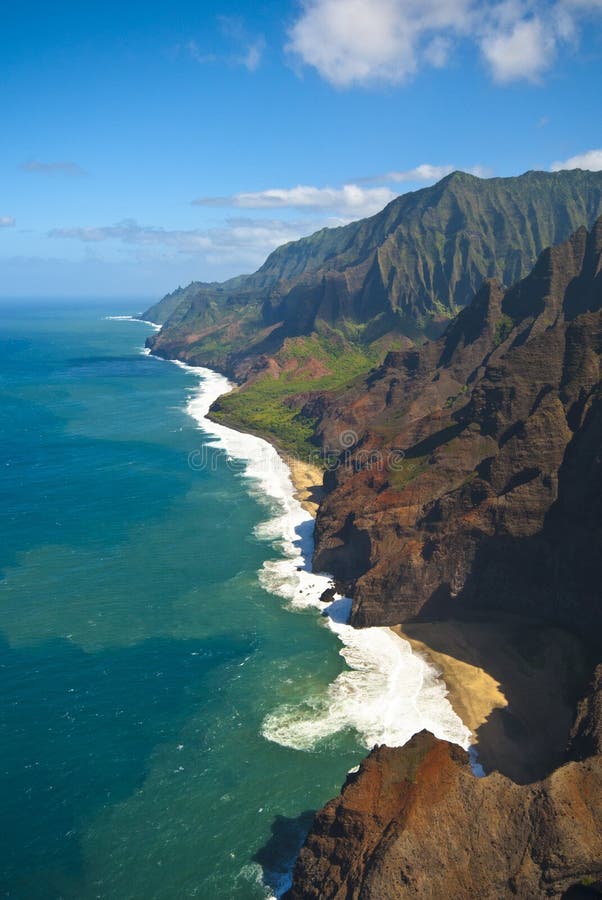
x: 503, y: 328
x: 413, y: 265
x: 323, y: 310
x: 259, y: 410
x: 406, y: 471
x: 261, y: 407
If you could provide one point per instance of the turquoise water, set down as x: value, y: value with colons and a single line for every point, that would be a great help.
x: 139, y: 653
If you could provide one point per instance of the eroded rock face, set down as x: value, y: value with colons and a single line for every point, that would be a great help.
x: 496, y: 504
x: 586, y: 735
x: 487, y: 486
x: 415, y: 822
x: 405, y: 270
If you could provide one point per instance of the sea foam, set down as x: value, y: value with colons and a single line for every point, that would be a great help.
x: 133, y: 319
x: 387, y: 693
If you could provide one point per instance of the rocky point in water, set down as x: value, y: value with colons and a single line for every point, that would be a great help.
x: 416, y: 822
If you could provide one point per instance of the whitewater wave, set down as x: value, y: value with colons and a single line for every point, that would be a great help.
x: 388, y: 693
x: 132, y: 319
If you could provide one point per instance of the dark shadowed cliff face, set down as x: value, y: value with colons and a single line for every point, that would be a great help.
x: 474, y: 483
x: 415, y: 822
x: 475, y: 479
x: 405, y: 271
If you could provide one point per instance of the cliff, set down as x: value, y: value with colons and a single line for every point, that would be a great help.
x: 473, y: 477
x: 472, y: 482
x: 464, y: 479
x: 405, y: 271
x: 415, y: 822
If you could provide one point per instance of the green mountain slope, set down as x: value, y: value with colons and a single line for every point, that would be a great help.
x: 408, y: 267
x: 326, y: 308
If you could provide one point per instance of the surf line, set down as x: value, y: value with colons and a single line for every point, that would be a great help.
x: 387, y: 693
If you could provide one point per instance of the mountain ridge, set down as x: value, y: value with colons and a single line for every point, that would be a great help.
x: 488, y: 420
x: 405, y: 270
x: 492, y: 505
x: 467, y: 480
x: 353, y: 293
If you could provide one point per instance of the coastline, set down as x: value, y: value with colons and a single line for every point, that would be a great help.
x: 513, y: 683
x: 516, y: 707
x: 388, y: 692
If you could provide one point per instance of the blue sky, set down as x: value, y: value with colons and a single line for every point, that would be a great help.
x: 149, y: 144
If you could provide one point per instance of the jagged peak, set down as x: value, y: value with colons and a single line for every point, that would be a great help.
x: 479, y: 319
x: 557, y: 280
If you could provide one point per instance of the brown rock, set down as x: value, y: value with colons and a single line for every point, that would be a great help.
x: 416, y: 822
x: 476, y: 478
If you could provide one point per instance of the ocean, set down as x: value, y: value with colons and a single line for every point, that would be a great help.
x: 175, y: 704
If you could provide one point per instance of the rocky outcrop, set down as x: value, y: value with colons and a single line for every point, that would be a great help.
x: 416, y: 822
x: 474, y: 479
x: 473, y: 482
x: 586, y: 735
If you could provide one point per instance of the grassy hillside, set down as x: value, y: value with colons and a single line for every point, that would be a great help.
x: 268, y: 406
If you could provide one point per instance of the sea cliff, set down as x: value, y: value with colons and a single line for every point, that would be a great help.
x: 502, y: 512
x: 468, y: 485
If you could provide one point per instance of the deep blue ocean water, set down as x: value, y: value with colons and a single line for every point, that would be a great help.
x: 139, y: 653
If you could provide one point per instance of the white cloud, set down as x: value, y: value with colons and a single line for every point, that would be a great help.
x: 130, y: 232
x: 193, y: 49
x: 438, y: 52
x: 7, y: 221
x: 251, y: 58
x: 424, y: 172
x: 358, y: 41
x: 240, y: 241
x: 587, y: 5
x: 350, y: 200
x: 524, y: 51
x: 591, y: 159
x: 70, y: 169
x: 366, y: 41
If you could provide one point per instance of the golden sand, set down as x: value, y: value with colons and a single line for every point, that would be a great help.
x: 307, y: 480
x: 513, y: 684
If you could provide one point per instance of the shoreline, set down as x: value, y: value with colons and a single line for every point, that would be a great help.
x: 472, y: 693
x: 389, y: 693
x: 307, y: 479
x: 477, y: 665
x: 513, y: 683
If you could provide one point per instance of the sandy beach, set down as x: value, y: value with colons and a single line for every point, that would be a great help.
x: 307, y: 481
x: 513, y: 683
